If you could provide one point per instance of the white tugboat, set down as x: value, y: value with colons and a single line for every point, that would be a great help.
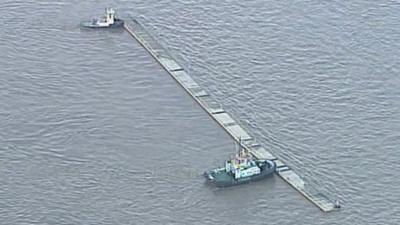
x: 242, y: 168
x: 107, y: 21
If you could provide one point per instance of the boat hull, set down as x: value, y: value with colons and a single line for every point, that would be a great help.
x: 118, y: 23
x: 227, y: 180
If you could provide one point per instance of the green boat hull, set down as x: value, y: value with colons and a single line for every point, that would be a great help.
x: 221, y: 178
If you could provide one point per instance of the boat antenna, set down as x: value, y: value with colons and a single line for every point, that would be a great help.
x: 240, y: 145
x: 236, y: 147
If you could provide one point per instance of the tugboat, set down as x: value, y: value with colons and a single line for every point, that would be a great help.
x: 107, y: 21
x: 241, y: 168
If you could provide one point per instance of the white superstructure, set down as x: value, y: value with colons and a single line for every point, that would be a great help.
x: 242, y: 165
x: 108, y: 19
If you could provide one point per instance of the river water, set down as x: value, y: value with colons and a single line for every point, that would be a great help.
x: 94, y: 131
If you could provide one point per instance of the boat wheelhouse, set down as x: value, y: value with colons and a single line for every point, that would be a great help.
x: 109, y: 20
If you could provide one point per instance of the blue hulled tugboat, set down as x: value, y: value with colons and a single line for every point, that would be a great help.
x: 242, y: 168
x: 107, y: 21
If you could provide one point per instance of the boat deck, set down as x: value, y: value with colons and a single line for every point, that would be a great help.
x: 215, y: 110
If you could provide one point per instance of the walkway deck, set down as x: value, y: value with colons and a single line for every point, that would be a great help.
x: 215, y: 110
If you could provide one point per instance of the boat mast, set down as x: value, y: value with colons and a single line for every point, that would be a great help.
x: 240, y: 145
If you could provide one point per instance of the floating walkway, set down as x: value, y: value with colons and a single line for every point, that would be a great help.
x: 215, y: 110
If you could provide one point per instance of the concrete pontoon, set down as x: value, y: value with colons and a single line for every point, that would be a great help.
x: 215, y: 110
